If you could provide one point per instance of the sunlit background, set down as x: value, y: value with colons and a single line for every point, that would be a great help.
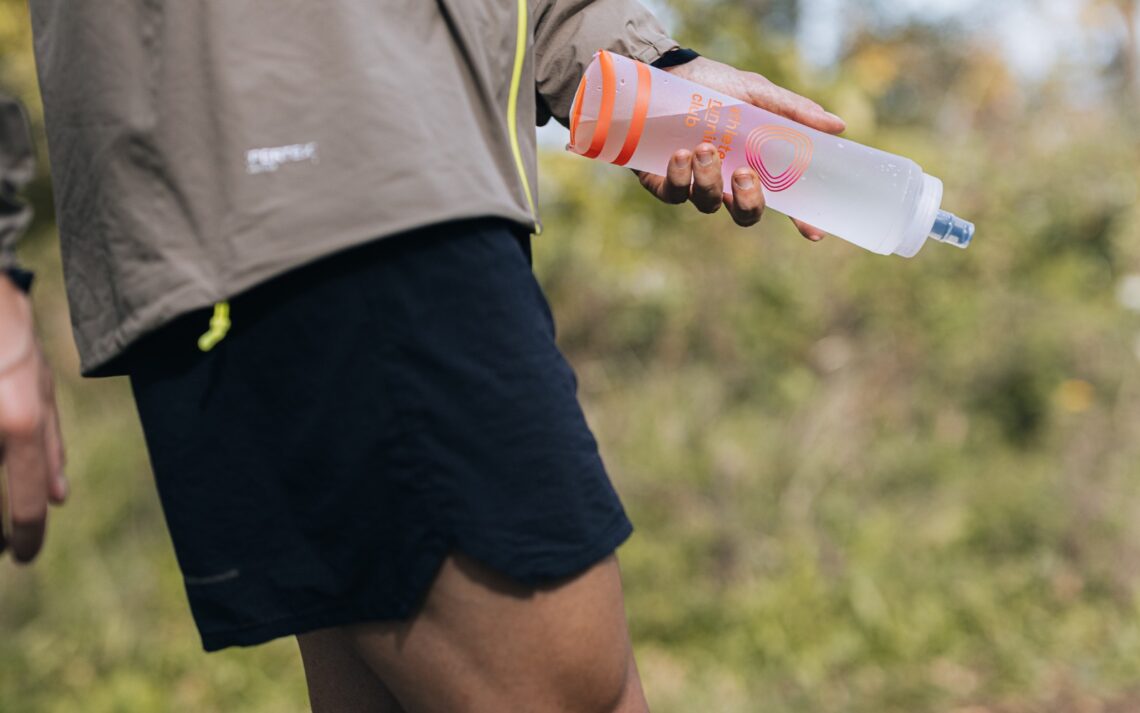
x: 859, y: 483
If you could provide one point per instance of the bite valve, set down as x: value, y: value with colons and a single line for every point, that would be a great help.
x: 949, y: 228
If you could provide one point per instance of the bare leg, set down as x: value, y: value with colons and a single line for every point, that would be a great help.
x: 484, y: 643
x: 339, y: 681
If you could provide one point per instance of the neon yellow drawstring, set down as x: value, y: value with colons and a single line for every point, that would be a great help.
x: 219, y: 325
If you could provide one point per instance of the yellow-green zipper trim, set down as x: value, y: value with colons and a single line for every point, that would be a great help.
x: 513, y: 109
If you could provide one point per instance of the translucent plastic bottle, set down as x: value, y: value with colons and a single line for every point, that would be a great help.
x: 634, y: 115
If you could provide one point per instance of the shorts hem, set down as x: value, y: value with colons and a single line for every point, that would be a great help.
x: 420, y: 580
x: 536, y: 573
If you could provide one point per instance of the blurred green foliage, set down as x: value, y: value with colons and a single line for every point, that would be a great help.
x: 859, y: 483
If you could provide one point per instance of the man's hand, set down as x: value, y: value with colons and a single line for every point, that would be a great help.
x: 696, y: 175
x: 31, y: 446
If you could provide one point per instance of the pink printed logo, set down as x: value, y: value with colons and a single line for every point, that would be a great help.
x: 800, y: 161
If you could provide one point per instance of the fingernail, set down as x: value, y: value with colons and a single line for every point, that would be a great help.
x: 743, y: 182
x: 833, y: 116
x: 681, y: 160
x: 705, y: 158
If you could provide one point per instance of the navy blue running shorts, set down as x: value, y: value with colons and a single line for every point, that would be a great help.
x: 366, y: 415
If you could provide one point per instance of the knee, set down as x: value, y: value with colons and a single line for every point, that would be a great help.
x: 600, y: 683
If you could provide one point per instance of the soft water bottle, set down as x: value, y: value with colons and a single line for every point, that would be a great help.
x: 634, y: 115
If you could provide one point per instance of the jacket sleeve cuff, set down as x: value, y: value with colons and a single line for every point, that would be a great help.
x: 569, y: 32
x: 657, y: 47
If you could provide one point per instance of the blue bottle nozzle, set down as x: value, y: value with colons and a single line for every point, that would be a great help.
x: 949, y: 228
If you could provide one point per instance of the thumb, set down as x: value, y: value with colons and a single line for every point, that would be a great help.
x: 778, y: 100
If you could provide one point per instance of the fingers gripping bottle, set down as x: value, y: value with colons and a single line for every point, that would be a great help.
x: 634, y: 115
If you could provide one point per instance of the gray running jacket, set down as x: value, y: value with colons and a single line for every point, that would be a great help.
x: 200, y: 147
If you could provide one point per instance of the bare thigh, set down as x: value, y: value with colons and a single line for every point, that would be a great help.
x: 339, y: 680
x: 484, y: 643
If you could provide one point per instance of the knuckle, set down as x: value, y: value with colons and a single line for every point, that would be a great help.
x: 747, y: 219
x: 24, y: 422
x: 710, y: 195
x: 711, y: 190
x: 27, y: 536
x: 26, y: 551
x: 29, y: 517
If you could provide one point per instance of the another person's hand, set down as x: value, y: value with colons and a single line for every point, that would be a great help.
x: 31, y: 445
x: 696, y: 175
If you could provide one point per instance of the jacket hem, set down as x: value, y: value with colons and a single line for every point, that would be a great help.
x: 106, y: 357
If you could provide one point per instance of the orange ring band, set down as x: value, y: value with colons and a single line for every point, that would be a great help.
x: 606, y: 113
x: 576, y: 116
x: 640, y: 111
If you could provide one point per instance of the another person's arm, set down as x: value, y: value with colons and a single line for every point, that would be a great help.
x: 568, y: 32
x: 31, y: 447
